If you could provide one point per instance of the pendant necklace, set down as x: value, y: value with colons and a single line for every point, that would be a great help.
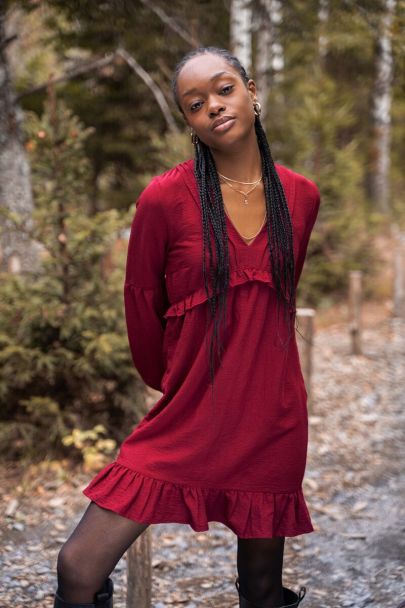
x: 244, y: 194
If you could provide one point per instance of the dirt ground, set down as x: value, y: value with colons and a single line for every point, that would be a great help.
x: 354, y: 486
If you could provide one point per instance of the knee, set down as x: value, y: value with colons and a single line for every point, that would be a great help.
x: 70, y: 568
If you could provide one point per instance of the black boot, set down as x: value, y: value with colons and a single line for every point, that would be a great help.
x: 291, y: 599
x: 102, y: 599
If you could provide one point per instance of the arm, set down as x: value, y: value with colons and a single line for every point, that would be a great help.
x: 316, y: 200
x: 145, y: 295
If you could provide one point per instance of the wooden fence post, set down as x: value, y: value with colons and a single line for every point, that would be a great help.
x: 139, y: 571
x: 139, y: 554
x: 306, y: 328
x: 355, y: 298
x: 14, y: 264
x: 399, y: 274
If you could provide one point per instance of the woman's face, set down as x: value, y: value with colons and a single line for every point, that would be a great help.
x: 209, y: 88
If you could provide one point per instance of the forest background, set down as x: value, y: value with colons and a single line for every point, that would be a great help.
x: 87, y: 118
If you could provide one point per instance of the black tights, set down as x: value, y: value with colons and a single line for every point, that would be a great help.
x: 260, y: 565
x: 92, y: 551
x: 101, y: 538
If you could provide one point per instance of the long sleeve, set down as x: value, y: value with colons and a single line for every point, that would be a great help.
x: 145, y: 294
x: 310, y: 222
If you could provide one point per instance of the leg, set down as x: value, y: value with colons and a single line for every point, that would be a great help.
x: 260, y: 565
x: 92, y: 551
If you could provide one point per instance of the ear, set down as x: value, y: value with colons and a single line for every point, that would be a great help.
x: 252, y: 89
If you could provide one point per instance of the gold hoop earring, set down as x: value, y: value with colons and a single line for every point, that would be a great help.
x: 257, y: 108
x: 194, y: 138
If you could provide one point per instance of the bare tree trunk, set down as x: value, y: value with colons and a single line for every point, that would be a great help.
x: 382, y: 96
x: 323, y: 16
x: 17, y: 251
x: 241, y: 31
x: 269, y: 60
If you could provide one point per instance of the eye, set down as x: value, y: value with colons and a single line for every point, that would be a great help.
x: 225, y: 90
x: 228, y: 86
x: 193, y: 106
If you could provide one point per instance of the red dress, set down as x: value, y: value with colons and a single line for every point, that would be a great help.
x: 241, y: 460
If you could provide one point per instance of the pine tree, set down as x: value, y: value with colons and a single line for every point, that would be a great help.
x: 314, y: 128
x: 64, y: 356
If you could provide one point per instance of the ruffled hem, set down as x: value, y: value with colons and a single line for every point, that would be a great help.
x: 151, y: 501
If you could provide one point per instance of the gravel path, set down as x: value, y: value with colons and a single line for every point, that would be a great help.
x: 354, y: 485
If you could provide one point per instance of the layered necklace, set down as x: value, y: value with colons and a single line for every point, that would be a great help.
x: 227, y: 181
x: 245, y: 195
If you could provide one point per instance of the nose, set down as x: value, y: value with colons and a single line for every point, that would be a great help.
x: 215, y: 105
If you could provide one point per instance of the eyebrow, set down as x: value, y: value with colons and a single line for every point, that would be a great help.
x: 194, y: 90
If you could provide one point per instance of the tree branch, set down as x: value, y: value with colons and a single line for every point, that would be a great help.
x: 138, y: 69
x: 8, y: 41
x: 96, y: 64
x: 171, y: 23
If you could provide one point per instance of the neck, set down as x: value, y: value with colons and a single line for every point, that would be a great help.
x: 241, y: 162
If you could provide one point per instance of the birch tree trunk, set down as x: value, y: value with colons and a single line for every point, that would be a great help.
x: 269, y: 58
x: 241, y: 31
x: 17, y: 251
x: 381, y: 111
x: 323, y: 16
x: 323, y: 20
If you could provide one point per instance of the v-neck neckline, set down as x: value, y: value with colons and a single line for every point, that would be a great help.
x: 239, y: 236
x: 187, y: 170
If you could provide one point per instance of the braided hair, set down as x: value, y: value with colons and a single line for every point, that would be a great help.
x: 279, y: 225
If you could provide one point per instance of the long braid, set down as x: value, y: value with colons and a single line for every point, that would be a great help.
x: 279, y: 221
x: 213, y: 213
x: 279, y: 226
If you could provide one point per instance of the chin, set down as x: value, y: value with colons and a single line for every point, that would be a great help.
x: 228, y: 141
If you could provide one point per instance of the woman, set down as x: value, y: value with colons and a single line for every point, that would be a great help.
x: 217, y: 247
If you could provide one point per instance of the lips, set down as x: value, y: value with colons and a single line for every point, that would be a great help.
x: 220, y: 121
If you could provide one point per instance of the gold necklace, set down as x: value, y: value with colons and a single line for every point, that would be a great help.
x: 245, y: 194
x: 238, y: 182
x: 245, y: 237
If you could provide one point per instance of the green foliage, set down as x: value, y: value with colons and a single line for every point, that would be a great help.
x: 65, y: 364
x: 319, y: 120
x: 313, y: 128
x: 114, y: 99
x: 91, y: 445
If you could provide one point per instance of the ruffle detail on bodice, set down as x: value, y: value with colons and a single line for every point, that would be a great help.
x: 236, y: 277
x: 248, y: 514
